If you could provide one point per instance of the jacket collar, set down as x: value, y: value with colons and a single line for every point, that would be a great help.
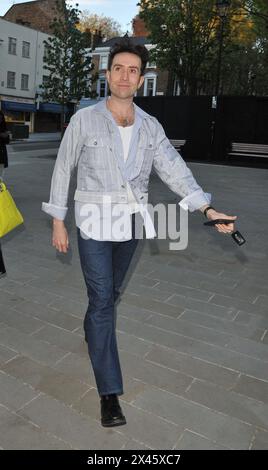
x: 125, y: 167
x: 102, y: 108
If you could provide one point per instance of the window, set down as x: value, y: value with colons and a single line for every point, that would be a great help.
x: 24, y: 81
x: 14, y: 116
x: 11, y: 77
x: 46, y: 50
x: 25, y: 49
x: 150, y: 85
x: 103, y: 62
x: 12, y: 46
x: 102, y: 88
x: 45, y: 80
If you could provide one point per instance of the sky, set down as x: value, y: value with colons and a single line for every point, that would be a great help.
x: 122, y: 11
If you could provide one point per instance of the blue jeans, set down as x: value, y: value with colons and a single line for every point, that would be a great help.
x: 104, y: 265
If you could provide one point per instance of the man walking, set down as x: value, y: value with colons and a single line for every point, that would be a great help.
x: 114, y: 145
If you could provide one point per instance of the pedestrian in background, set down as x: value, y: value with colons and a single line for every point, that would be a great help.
x: 4, y: 140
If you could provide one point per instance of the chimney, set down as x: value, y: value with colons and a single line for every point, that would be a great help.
x: 139, y: 28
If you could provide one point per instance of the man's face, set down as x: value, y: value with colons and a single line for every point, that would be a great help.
x: 125, y: 78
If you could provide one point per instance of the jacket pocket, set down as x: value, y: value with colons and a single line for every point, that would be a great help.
x: 95, y: 154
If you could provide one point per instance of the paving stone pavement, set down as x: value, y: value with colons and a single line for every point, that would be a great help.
x: 192, y: 327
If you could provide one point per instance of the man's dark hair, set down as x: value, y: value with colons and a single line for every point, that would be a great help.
x: 125, y: 45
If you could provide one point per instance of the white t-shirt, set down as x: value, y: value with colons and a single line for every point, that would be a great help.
x: 126, y: 134
x: 92, y: 224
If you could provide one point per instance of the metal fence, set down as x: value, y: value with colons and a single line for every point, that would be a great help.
x: 209, y: 131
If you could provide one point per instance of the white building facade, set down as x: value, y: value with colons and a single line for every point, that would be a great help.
x: 21, y: 74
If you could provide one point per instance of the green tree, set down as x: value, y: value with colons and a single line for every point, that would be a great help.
x: 106, y: 26
x: 258, y: 9
x: 187, y: 36
x: 67, y: 60
x: 184, y: 33
x: 246, y: 66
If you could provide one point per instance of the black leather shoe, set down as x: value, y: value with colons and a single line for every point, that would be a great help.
x: 111, y: 413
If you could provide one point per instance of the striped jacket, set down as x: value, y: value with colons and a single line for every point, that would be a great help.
x: 92, y: 143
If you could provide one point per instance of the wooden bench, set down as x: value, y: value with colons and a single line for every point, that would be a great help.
x: 177, y: 143
x: 248, y: 150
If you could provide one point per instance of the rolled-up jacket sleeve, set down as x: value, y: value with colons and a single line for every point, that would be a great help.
x: 173, y: 171
x: 67, y: 159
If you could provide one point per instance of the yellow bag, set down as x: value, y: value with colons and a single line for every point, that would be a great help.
x: 10, y: 216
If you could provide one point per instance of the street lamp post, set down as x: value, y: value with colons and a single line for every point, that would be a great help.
x: 222, y: 10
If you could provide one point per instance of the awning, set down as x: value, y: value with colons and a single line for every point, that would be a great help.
x: 18, y: 106
x: 85, y: 102
x: 52, y: 108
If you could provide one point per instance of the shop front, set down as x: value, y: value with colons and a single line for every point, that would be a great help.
x: 18, y: 111
x: 48, y: 117
x: 38, y: 116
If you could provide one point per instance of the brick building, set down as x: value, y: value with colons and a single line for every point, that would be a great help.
x: 37, y: 15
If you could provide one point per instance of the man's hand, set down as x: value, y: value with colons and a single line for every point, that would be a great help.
x: 224, y: 228
x: 60, y: 238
